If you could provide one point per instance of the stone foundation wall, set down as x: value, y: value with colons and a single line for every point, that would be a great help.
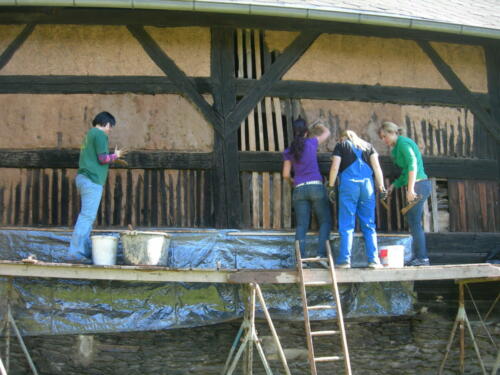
x: 396, y: 345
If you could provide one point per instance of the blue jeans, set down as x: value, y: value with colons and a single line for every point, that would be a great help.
x: 91, y: 194
x: 414, y: 217
x: 357, y: 198
x: 304, y: 198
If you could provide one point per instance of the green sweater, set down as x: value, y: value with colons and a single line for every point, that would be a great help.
x: 407, y: 156
x: 95, y: 143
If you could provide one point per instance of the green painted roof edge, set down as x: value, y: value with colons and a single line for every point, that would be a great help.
x: 267, y: 10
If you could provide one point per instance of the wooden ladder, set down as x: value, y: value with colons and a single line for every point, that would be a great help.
x: 310, y: 335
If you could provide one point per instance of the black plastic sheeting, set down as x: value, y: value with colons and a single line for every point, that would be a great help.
x: 56, y: 306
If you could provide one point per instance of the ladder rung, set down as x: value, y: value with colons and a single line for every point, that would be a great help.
x: 304, y: 260
x: 316, y: 283
x: 324, y: 333
x: 328, y: 359
x: 321, y: 307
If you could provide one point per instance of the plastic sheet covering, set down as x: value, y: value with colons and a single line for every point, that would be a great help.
x: 56, y: 306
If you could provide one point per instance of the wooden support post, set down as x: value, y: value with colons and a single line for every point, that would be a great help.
x: 7, y: 339
x: 460, y: 321
x: 21, y: 342
x: 2, y: 368
x: 281, y: 353
x: 251, y: 338
x: 248, y: 368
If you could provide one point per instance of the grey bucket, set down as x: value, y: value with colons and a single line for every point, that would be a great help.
x: 145, y: 248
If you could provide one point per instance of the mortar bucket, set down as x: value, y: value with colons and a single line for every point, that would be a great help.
x: 145, y: 248
x: 392, y: 256
x: 104, y: 250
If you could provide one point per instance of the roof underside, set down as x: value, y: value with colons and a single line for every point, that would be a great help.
x: 464, y: 17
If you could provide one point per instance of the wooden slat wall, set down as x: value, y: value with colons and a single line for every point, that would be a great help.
x: 143, y: 198
x: 474, y: 206
x: 266, y: 198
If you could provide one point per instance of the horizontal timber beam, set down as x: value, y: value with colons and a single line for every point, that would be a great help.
x: 285, y: 276
x: 284, y: 89
x: 444, y: 167
x: 362, y: 93
x: 66, y: 158
x: 169, y: 18
x: 26, y: 84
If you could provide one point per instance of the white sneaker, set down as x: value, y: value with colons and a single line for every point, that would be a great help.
x: 374, y: 265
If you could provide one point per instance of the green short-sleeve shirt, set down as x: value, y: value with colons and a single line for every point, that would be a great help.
x: 95, y: 143
x: 407, y: 156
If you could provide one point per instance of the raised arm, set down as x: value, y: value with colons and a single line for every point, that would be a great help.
x: 325, y: 133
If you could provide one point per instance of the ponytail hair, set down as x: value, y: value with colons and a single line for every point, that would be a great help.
x: 391, y: 128
x: 356, y: 141
x: 299, y: 131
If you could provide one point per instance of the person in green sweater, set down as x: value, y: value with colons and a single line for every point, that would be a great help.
x: 407, y: 156
x: 94, y: 162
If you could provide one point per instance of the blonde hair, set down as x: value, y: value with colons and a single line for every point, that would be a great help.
x: 391, y: 128
x: 356, y: 141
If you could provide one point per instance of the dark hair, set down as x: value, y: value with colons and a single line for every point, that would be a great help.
x: 104, y: 118
x: 299, y: 131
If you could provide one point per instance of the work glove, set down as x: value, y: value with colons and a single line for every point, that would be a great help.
x: 331, y: 193
x: 383, y: 195
x: 120, y: 162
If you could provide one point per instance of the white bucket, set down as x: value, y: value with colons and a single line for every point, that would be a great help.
x: 104, y: 250
x: 392, y: 256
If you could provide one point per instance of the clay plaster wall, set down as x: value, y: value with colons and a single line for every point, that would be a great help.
x: 8, y: 34
x: 388, y: 62
x: 104, y: 50
x: 145, y: 122
x: 366, y: 118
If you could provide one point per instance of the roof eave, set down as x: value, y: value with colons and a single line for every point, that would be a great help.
x: 362, y: 18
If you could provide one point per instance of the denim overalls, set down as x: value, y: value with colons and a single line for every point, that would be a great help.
x: 357, y: 197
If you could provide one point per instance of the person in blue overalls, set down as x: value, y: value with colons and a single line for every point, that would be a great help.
x: 355, y: 161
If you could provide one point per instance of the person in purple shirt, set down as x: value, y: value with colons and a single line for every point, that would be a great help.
x: 309, y: 191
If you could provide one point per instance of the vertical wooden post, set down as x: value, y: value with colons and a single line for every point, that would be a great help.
x: 461, y: 325
x: 492, y: 55
x: 226, y: 164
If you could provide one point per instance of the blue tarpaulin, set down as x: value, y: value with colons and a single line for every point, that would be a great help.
x: 57, y: 306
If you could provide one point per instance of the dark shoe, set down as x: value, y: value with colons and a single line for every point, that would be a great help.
x: 324, y: 264
x: 343, y: 265
x: 419, y: 262
x: 78, y: 260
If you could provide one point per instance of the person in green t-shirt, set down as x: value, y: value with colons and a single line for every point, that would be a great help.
x: 407, y: 156
x: 94, y: 162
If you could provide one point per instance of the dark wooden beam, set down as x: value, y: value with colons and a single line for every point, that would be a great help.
x: 470, y: 169
x: 291, y: 54
x: 177, y: 76
x: 96, y: 85
x: 362, y: 93
x: 461, y: 243
x: 68, y: 158
x: 492, y: 54
x: 226, y: 159
x: 284, y: 89
x: 484, y: 117
x: 14, y: 46
x: 169, y: 18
